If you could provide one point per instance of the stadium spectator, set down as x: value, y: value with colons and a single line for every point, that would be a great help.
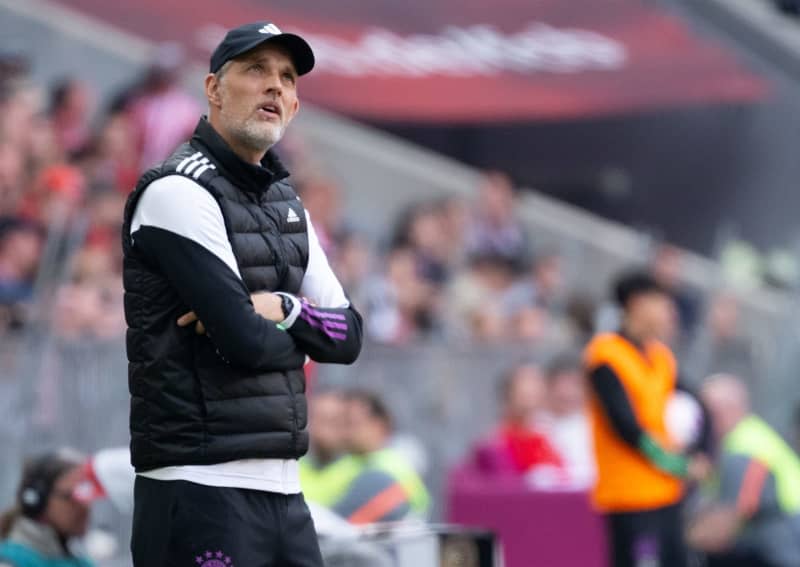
x: 667, y: 268
x: 55, y: 195
x: 494, y: 228
x: 454, y: 214
x: 20, y: 251
x: 90, y: 306
x: 163, y: 114
x: 722, y: 345
x: 518, y: 447
x: 108, y: 159
x: 352, y: 264
x: 566, y: 421
x: 754, y: 517
x: 70, y: 105
x: 420, y: 230
x: 327, y: 470
x: 322, y: 199
x: 477, y: 301
x: 387, y: 488
x: 48, y: 515
x: 401, y: 305
x: 12, y: 167
x: 544, y: 285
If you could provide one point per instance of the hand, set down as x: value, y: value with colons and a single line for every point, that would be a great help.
x: 700, y: 468
x: 713, y: 530
x: 268, y: 305
x: 188, y: 318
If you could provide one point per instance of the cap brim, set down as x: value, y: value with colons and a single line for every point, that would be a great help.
x: 299, y: 50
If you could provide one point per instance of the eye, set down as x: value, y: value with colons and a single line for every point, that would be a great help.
x: 255, y: 67
x: 289, y: 77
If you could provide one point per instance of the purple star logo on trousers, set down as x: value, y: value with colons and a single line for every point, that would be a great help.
x: 211, y: 559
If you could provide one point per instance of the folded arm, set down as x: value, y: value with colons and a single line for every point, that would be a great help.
x: 178, y: 227
x: 324, y: 323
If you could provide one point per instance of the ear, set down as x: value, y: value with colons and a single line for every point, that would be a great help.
x: 212, y: 88
x: 294, y: 109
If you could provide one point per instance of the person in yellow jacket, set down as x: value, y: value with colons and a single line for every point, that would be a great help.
x: 327, y: 471
x: 632, y: 375
x: 388, y: 488
x: 753, y: 517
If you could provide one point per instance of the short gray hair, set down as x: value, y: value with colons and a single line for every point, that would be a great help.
x: 224, y: 69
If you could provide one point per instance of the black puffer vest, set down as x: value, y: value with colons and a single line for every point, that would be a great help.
x: 188, y: 405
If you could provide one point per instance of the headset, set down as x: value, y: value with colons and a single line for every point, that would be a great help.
x: 40, y: 475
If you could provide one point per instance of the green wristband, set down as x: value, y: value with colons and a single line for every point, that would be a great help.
x: 671, y: 463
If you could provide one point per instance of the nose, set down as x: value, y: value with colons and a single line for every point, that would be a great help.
x: 273, y: 84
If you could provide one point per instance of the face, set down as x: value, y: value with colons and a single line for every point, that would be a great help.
x: 254, y: 98
x: 527, y: 393
x: 23, y: 249
x: 724, y: 405
x: 365, y: 433
x: 548, y: 275
x: 328, y: 424
x: 566, y: 392
x: 497, y: 197
x: 724, y: 317
x: 65, y: 514
x: 667, y: 266
x: 654, y: 315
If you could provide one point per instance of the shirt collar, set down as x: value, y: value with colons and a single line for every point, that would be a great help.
x: 247, y: 176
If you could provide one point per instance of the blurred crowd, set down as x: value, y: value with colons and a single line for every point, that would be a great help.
x: 66, y: 166
x: 451, y: 268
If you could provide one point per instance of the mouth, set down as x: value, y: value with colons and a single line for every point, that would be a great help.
x: 269, y: 111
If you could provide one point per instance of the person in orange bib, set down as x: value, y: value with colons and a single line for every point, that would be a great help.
x: 641, y: 471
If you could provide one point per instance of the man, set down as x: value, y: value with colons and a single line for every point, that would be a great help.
x: 387, y: 487
x: 327, y: 471
x: 753, y: 518
x: 48, y: 516
x: 218, y: 250
x: 640, y: 478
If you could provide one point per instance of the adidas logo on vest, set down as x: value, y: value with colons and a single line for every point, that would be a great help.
x: 195, y: 165
x: 292, y: 216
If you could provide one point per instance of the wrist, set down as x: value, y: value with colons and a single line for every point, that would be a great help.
x: 666, y: 461
x: 291, y: 307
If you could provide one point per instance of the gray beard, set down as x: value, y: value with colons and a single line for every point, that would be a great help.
x: 255, y: 138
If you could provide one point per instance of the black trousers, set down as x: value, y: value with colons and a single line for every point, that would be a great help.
x: 636, y: 536
x: 180, y: 524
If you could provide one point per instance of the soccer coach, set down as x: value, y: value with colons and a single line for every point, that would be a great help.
x: 218, y: 252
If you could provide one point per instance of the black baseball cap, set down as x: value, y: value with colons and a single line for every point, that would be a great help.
x: 244, y: 38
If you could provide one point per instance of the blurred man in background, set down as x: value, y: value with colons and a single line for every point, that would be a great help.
x: 327, y: 471
x: 667, y: 269
x: 162, y: 112
x: 387, y: 487
x: 640, y: 477
x: 48, y: 515
x: 753, y: 519
x: 20, y: 251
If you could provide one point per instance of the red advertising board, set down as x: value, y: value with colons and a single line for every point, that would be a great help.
x: 470, y: 60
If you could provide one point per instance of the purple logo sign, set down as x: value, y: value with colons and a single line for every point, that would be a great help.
x: 210, y: 559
